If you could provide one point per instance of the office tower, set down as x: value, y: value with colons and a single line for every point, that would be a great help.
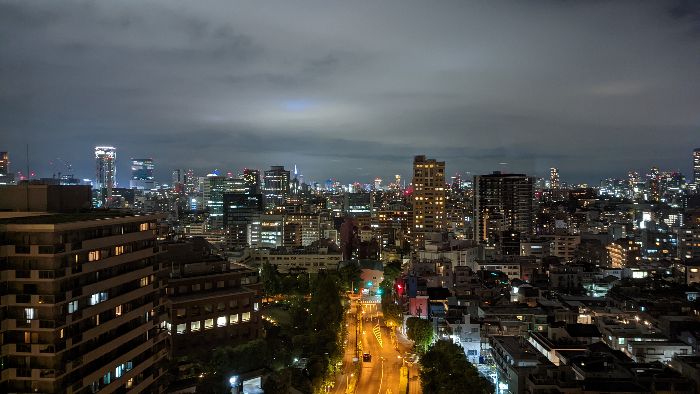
x: 6, y: 178
x: 428, y: 198
x: 502, y: 202
x: 86, y: 315
x: 252, y: 178
x: 554, y: 178
x: 358, y: 204
x: 239, y: 212
x: 308, y: 225
x: 142, y: 174
x: 214, y: 187
x: 276, y: 187
x: 267, y: 231
x: 696, y: 168
x: 106, y: 169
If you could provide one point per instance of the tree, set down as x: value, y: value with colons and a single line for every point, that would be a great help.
x: 278, y: 382
x: 270, y: 279
x: 392, y: 314
x: 421, y: 332
x: 325, y: 306
x: 350, y: 275
x: 444, y: 369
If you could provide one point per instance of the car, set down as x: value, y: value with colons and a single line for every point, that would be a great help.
x: 366, y: 357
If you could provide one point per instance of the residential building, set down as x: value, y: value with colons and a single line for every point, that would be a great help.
x: 82, y: 308
x: 502, y: 202
x: 428, y: 198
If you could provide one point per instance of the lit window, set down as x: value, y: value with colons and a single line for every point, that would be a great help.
x: 118, y: 310
x: 256, y: 306
x: 29, y: 313
x: 181, y: 328
x: 233, y: 319
x: 208, y: 324
x: 143, y: 226
x: 245, y: 316
x: 107, y: 379
x: 195, y: 326
x: 130, y: 383
x: 97, y: 298
x: 221, y: 321
x: 118, y: 250
x: 72, y: 306
x: 94, y: 255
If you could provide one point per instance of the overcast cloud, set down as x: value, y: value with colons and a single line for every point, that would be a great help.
x: 353, y: 89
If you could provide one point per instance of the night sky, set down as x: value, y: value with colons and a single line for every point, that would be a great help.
x: 353, y: 89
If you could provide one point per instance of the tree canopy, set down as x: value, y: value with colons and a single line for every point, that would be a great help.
x: 420, y: 331
x: 444, y: 369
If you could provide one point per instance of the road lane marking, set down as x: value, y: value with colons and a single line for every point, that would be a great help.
x: 381, y: 381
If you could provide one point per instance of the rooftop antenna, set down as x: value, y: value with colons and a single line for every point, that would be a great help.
x: 26, y: 187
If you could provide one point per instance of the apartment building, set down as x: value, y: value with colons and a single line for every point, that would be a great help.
x: 81, y: 308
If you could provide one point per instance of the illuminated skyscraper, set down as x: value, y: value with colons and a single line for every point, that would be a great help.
x: 654, y: 185
x: 142, y: 174
x: 554, y: 178
x: 502, y: 202
x: 105, y: 169
x: 214, y: 187
x: 4, y: 163
x: 252, y: 178
x: 428, y: 197
x: 696, y: 168
x: 5, y: 177
x: 276, y: 187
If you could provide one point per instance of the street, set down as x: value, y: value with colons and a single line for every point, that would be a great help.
x: 382, y: 374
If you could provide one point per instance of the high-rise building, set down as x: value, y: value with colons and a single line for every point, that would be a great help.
x: 654, y: 185
x: 239, y: 212
x: 276, y: 187
x: 554, y: 178
x: 252, y: 178
x: 502, y: 202
x: 214, y: 187
x: 6, y: 178
x: 4, y: 163
x: 142, y: 174
x: 428, y: 197
x: 696, y: 168
x: 105, y: 169
x: 87, y: 314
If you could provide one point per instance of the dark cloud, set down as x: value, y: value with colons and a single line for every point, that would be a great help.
x: 595, y: 88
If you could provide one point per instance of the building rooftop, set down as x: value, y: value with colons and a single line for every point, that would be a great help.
x: 517, y: 348
x: 57, y: 218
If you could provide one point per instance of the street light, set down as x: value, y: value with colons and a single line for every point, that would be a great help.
x: 233, y: 382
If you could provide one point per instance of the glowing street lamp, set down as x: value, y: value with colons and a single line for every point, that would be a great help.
x: 233, y: 382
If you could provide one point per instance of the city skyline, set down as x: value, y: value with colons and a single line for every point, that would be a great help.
x: 474, y: 84
x: 163, y: 175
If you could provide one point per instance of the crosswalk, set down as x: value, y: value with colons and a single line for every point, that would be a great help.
x: 377, y: 331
